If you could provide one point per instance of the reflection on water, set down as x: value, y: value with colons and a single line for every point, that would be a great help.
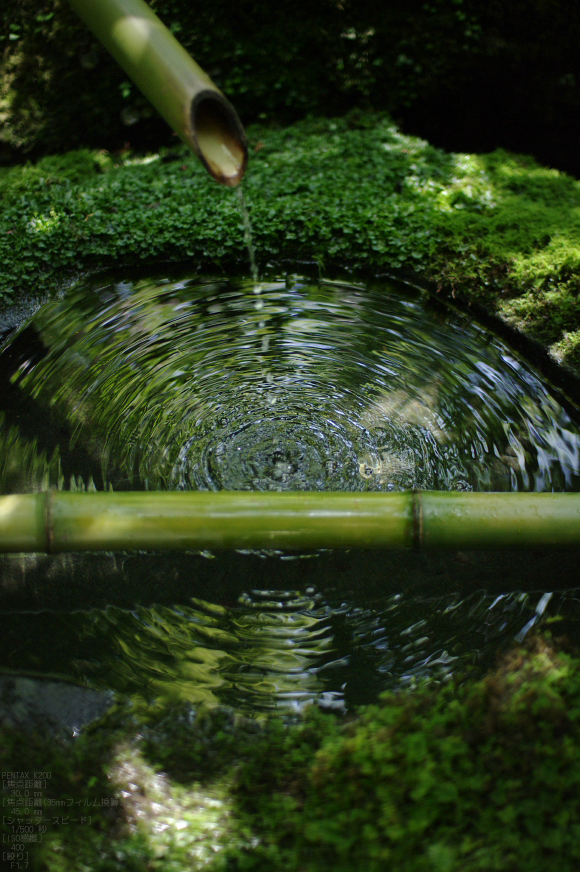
x: 206, y: 384
x: 276, y: 649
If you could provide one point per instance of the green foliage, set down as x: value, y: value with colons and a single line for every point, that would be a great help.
x: 473, y: 778
x: 353, y: 192
x: 88, y: 830
x: 191, y: 745
x: 472, y: 66
x: 239, y: 45
x: 470, y: 777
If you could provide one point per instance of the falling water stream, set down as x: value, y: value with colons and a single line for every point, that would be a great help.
x: 201, y: 383
x: 248, y: 236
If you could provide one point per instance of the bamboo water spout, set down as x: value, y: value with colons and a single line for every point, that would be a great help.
x: 177, y: 520
x: 178, y: 88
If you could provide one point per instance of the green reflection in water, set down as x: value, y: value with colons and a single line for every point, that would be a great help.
x: 258, y: 655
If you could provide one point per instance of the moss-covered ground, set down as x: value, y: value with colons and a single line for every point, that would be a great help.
x: 353, y: 193
x: 475, y: 776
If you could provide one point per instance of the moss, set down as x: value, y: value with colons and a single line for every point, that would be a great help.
x: 75, y: 167
x: 351, y: 193
x: 522, y: 257
x: 470, y: 778
x: 475, y: 776
x: 568, y: 349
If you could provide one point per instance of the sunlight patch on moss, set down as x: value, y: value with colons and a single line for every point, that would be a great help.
x: 186, y: 826
x: 567, y: 350
x: 469, y: 187
x: 45, y: 223
x: 559, y: 258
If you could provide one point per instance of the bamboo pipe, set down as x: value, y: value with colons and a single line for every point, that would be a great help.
x: 178, y: 88
x: 176, y: 520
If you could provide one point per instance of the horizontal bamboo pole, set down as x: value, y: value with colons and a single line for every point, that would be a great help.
x: 177, y: 520
x: 178, y: 88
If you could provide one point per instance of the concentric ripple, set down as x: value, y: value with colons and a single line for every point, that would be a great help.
x: 207, y: 385
x: 281, y: 452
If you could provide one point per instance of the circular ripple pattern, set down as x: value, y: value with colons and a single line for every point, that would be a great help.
x: 279, y: 453
x: 206, y: 384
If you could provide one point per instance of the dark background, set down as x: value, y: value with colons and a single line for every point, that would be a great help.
x: 468, y: 75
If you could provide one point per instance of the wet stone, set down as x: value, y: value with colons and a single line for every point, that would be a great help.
x: 52, y: 707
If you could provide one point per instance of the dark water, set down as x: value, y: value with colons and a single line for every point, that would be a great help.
x: 209, y: 384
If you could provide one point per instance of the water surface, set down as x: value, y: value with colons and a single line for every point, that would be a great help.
x: 204, y: 383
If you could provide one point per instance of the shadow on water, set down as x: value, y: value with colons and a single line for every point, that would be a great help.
x: 206, y: 384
